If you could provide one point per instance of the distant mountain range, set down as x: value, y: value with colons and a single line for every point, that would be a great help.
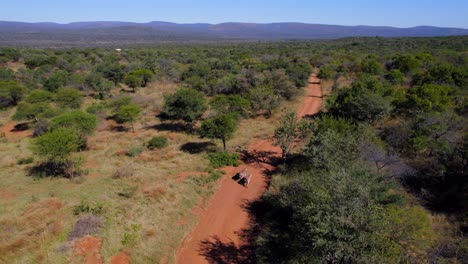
x: 113, y: 31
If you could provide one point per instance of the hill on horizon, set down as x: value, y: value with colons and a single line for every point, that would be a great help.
x: 114, y: 32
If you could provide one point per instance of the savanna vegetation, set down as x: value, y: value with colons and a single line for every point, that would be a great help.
x: 98, y: 142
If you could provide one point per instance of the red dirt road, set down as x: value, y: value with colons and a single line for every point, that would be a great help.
x: 218, y: 236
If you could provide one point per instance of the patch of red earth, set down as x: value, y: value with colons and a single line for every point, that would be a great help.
x: 7, y: 194
x: 121, y: 258
x: 89, y: 248
x: 9, y: 131
x: 225, y: 216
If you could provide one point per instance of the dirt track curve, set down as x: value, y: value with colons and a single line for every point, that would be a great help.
x: 218, y: 237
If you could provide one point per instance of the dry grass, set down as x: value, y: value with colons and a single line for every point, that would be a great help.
x: 36, y: 219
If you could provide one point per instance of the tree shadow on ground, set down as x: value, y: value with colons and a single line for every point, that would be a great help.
x: 20, y: 127
x: 198, y: 147
x: 120, y: 129
x: 268, y: 157
x: 172, y: 127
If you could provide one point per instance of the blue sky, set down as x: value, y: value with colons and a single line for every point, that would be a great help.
x: 400, y: 13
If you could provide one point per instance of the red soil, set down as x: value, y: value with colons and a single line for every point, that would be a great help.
x: 9, y: 131
x: 90, y: 248
x: 121, y: 258
x: 225, y: 217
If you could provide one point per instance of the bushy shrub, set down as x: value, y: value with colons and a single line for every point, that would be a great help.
x: 222, y: 159
x: 135, y: 151
x: 85, y: 208
x: 158, y: 142
x: 27, y: 160
x: 125, y: 171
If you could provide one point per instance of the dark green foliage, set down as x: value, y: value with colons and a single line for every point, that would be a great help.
x: 10, y: 93
x: 85, y: 208
x: 406, y: 63
x: 23, y: 161
x: 112, y: 71
x: 220, y: 127
x: 6, y: 75
x: 371, y: 65
x: 68, y: 98
x: 360, y: 104
x: 81, y: 122
x: 11, y: 54
x: 395, y: 76
x: 57, y: 80
x: 234, y: 104
x: 38, y: 60
x: 158, y: 142
x: 186, y: 104
x: 223, y: 159
x: 327, y: 72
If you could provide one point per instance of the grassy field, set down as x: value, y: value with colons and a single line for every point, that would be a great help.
x: 144, y: 207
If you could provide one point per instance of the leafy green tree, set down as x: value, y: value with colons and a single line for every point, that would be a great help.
x: 430, y: 97
x: 6, y: 75
x: 371, y: 65
x: 12, y: 54
x: 186, y: 104
x: 139, y: 78
x: 132, y: 81
x: 289, y: 129
x: 395, y: 76
x: 28, y: 111
x: 81, y: 122
x: 112, y: 71
x: 360, y: 105
x: 10, y: 93
x: 56, y: 148
x: 128, y: 113
x: 220, y: 127
x: 57, y: 80
x: 327, y: 72
x: 406, y: 63
x: 224, y: 104
x: 68, y: 98
x: 264, y: 99
x: 39, y: 96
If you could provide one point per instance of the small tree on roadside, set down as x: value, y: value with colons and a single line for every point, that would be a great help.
x: 128, y: 113
x: 290, y: 129
x: 220, y: 127
x: 56, y: 148
x: 186, y: 104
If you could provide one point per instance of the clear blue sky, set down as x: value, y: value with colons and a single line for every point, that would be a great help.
x: 400, y: 13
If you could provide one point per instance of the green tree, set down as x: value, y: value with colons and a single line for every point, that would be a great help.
x: 10, y: 93
x: 220, y: 127
x: 430, y: 97
x: 56, y: 148
x: 132, y: 81
x: 128, y: 113
x: 57, y: 80
x: 224, y: 104
x: 264, y: 99
x: 186, y: 104
x: 28, y: 111
x: 39, y: 96
x: 289, y: 129
x: 68, y: 98
x: 81, y: 122
x: 327, y: 72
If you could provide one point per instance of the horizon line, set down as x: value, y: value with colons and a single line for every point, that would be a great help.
x: 219, y: 23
